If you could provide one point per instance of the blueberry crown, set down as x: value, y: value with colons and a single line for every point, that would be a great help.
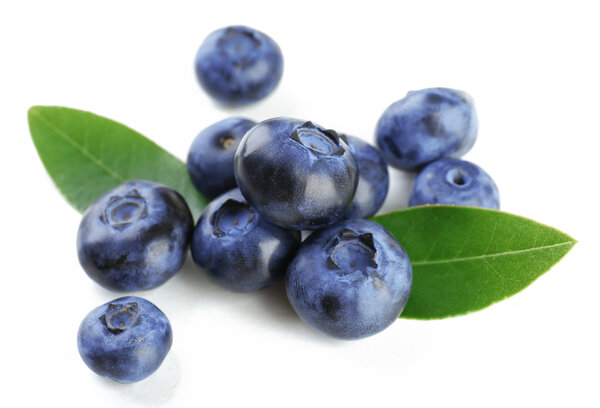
x: 351, y: 252
x: 122, y: 211
x: 232, y: 218
x: 120, y: 317
x: 238, y: 43
x: 321, y: 141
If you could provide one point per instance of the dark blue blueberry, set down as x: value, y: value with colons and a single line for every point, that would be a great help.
x: 373, y: 181
x: 125, y: 339
x: 427, y: 125
x: 297, y: 174
x: 238, y: 65
x: 456, y: 182
x: 210, y: 159
x: 135, y: 236
x: 351, y: 280
x: 238, y: 248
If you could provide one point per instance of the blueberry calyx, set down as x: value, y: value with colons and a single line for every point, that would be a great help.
x: 238, y: 44
x: 351, y: 252
x: 123, y: 211
x: 225, y: 141
x: 321, y: 141
x: 120, y: 317
x: 458, y: 178
x: 232, y: 218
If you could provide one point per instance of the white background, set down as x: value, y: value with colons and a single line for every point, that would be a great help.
x: 532, y: 69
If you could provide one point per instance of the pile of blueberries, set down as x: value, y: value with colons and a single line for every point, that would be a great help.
x: 350, y: 278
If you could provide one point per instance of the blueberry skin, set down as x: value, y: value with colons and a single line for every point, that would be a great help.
x: 427, y: 125
x: 210, y: 158
x: 373, y: 181
x: 296, y: 174
x: 125, y: 339
x: 238, y: 248
x: 351, y: 280
x: 135, y: 236
x: 238, y: 65
x: 455, y: 182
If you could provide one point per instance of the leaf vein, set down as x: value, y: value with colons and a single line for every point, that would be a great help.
x: 475, y: 257
x: 94, y: 159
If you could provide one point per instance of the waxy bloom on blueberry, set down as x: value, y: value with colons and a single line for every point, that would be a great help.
x: 135, y: 236
x: 238, y: 247
x: 238, y: 65
x: 210, y: 158
x: 427, y: 125
x: 373, y: 181
x: 125, y: 339
x: 296, y: 174
x: 455, y: 182
x: 350, y: 280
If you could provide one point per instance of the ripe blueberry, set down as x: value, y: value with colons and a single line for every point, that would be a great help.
x: 351, y: 280
x: 238, y: 65
x: 135, y: 236
x: 125, y: 339
x: 210, y: 159
x: 457, y: 182
x: 373, y: 181
x: 295, y: 173
x: 427, y: 125
x: 238, y: 248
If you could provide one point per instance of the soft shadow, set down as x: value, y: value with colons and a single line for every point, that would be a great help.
x: 274, y: 304
x: 399, y: 193
x: 268, y: 307
x: 279, y: 103
x: 156, y: 390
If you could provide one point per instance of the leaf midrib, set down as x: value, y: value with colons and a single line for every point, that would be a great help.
x: 94, y: 159
x: 499, y: 254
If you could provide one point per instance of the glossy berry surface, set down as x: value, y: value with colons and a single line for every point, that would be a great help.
x: 373, y: 180
x: 135, y: 236
x: 210, y: 158
x: 238, y: 248
x: 456, y: 182
x: 351, y: 280
x: 125, y: 339
x: 238, y: 65
x: 295, y: 173
x: 427, y: 125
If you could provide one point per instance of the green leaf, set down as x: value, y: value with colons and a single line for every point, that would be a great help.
x: 86, y: 155
x: 464, y: 259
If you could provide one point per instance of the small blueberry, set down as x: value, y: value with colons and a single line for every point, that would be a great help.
x: 427, y: 125
x: 135, y: 236
x: 238, y: 248
x: 350, y: 280
x: 238, y: 65
x: 125, y: 339
x: 296, y: 174
x: 455, y: 182
x: 210, y: 158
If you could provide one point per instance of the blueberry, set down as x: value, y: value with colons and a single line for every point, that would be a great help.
x: 351, y: 280
x: 457, y: 182
x: 210, y: 159
x: 297, y: 174
x: 238, y: 65
x: 427, y: 125
x: 135, y: 236
x: 125, y: 339
x: 238, y: 248
x: 373, y: 181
